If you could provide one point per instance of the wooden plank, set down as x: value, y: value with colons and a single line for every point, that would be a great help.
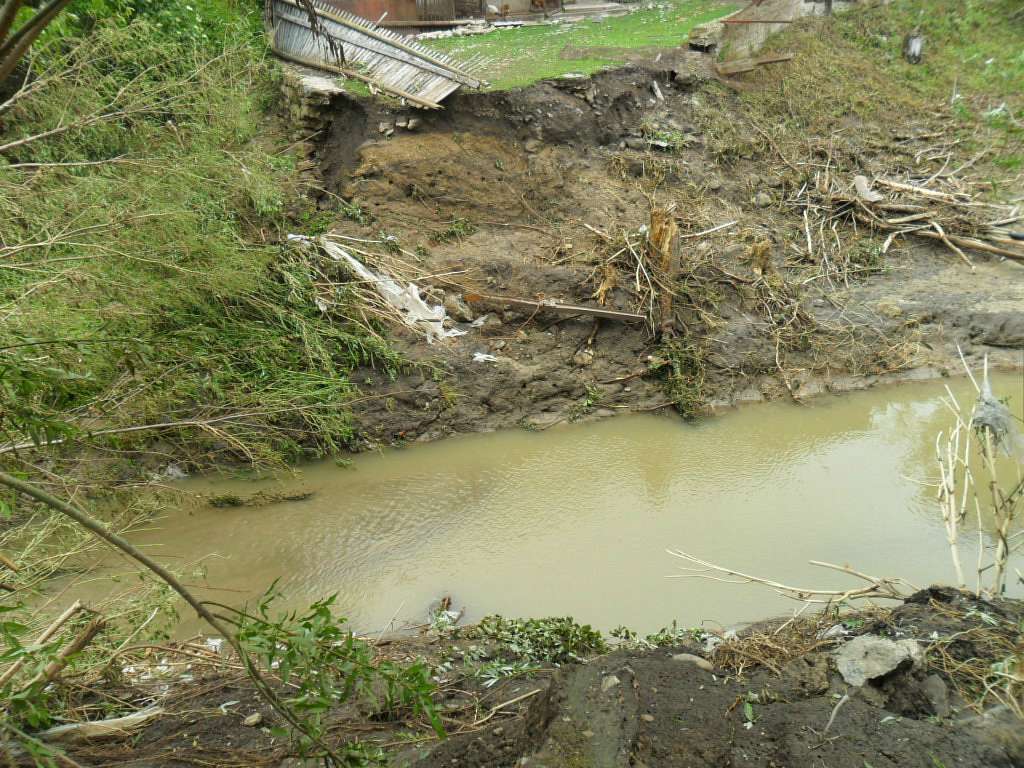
x: 757, y: 21
x: 747, y: 65
x: 563, y: 309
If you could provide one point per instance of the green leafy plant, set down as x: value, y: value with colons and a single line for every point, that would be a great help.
x: 326, y: 665
x: 683, y: 375
x: 551, y: 640
x: 33, y: 394
x: 666, y: 139
x: 353, y: 211
x: 664, y: 637
x: 458, y: 229
x: 492, y: 672
x: 591, y: 399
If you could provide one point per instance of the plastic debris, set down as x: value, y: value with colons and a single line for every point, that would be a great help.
x: 992, y: 415
x: 483, y: 357
x: 406, y: 301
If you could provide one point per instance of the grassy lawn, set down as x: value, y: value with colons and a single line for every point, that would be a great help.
x: 524, y: 55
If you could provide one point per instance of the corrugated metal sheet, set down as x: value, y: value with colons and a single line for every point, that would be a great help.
x: 350, y: 45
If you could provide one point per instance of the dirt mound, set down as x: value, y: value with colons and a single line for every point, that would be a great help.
x: 671, y: 707
x: 663, y: 712
x: 775, y: 696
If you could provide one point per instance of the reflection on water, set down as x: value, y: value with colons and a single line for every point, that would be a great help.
x: 575, y: 521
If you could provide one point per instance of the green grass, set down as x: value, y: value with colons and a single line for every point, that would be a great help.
x: 974, y: 46
x: 979, y: 44
x: 153, y: 288
x: 524, y: 55
x: 849, y: 83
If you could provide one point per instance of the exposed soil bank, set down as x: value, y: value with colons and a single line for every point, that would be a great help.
x: 549, y: 185
x: 765, y: 699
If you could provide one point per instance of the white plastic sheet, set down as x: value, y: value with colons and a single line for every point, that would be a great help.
x: 411, y: 307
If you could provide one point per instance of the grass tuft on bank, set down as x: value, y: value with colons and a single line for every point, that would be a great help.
x: 849, y: 81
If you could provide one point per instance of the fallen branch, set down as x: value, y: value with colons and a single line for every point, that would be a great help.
x: 509, y: 703
x: 963, y: 242
x: 80, y: 641
x: 877, y: 587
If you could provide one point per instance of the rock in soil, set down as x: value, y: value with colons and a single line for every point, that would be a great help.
x: 869, y: 657
x: 253, y: 720
x: 692, y: 658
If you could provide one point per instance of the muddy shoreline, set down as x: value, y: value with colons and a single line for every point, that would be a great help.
x: 778, y: 694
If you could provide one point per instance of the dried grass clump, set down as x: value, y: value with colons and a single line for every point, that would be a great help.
x: 985, y: 662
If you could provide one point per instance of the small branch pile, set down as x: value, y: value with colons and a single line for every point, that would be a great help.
x: 938, y: 208
x: 874, y: 586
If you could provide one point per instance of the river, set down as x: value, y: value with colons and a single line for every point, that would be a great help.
x: 576, y: 520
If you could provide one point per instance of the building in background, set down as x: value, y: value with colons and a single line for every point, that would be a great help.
x: 415, y: 15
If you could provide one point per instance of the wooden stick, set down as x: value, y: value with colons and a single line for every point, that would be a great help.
x: 508, y: 703
x: 47, y: 633
x: 951, y: 246
x: 708, y: 231
x: 474, y: 298
x: 81, y: 640
x: 876, y: 588
x: 922, y: 191
x: 8, y: 563
x: 963, y: 242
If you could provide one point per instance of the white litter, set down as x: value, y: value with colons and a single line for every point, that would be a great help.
x: 483, y: 357
x: 479, y: 322
x: 413, y: 310
x: 864, y: 191
x: 95, y: 729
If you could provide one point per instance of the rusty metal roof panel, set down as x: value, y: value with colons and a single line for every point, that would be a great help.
x: 347, y: 44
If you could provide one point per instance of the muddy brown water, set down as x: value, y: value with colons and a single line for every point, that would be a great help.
x: 576, y: 520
